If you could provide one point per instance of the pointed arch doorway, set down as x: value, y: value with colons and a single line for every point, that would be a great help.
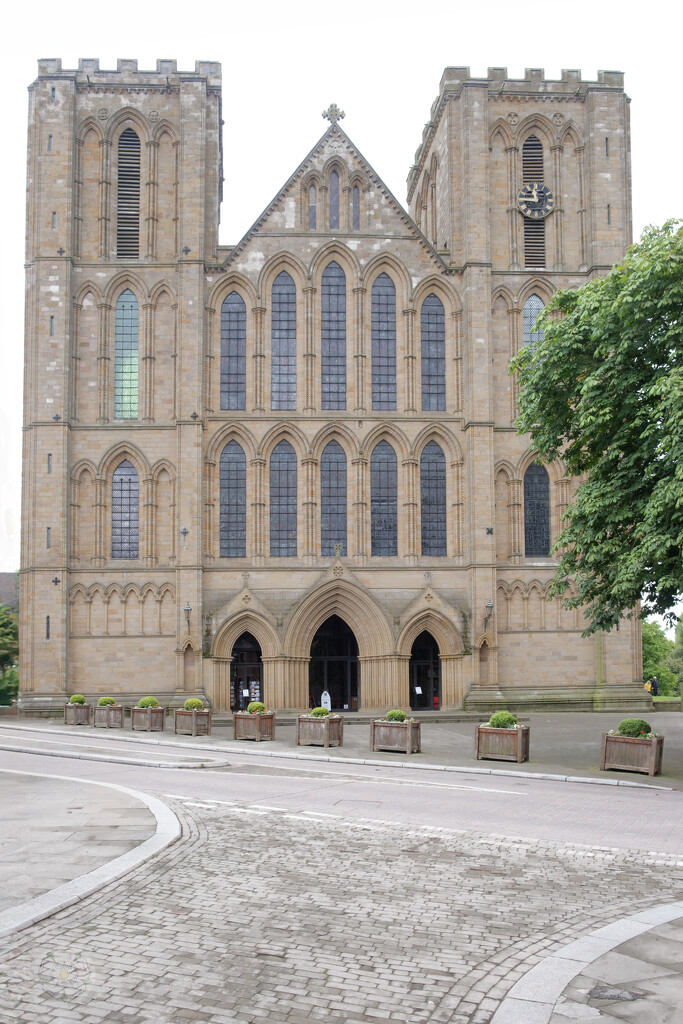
x: 334, y: 666
x: 246, y: 672
x: 425, y: 674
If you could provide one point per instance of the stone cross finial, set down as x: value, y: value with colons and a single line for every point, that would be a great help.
x: 333, y: 113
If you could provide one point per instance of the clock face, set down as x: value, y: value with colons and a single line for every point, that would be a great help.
x: 535, y: 200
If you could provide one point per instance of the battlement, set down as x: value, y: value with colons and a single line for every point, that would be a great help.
x: 166, y: 71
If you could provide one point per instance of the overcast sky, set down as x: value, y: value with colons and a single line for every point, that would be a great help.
x: 283, y: 64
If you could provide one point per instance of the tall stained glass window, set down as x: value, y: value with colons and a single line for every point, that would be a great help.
x: 532, y: 307
x: 355, y: 207
x: 383, y: 343
x: 333, y: 338
x: 233, y: 353
x: 233, y: 501
x: 536, y: 512
x: 125, y: 511
x: 433, y: 499
x: 311, y: 208
x: 433, y: 327
x: 383, y: 500
x: 334, y: 201
x: 283, y: 343
x: 126, y: 357
x: 283, y: 501
x: 333, y: 498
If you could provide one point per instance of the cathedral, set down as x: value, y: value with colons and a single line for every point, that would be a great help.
x: 290, y: 465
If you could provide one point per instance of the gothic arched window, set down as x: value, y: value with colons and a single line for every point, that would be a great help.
x: 333, y: 338
x: 355, y: 208
x: 536, y: 512
x: 433, y: 499
x: 332, y: 499
x: 334, y: 201
x: 126, y: 357
x: 383, y: 343
x: 283, y: 501
x: 283, y: 343
x: 233, y: 353
x: 311, y: 208
x: 532, y: 307
x: 125, y: 511
x: 233, y: 502
x: 433, y: 327
x: 383, y: 500
x: 128, y: 198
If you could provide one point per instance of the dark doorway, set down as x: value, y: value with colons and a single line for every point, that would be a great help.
x: 246, y: 673
x: 425, y: 674
x: 334, y: 666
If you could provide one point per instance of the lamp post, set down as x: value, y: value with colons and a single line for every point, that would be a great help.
x: 489, y: 613
x: 187, y: 609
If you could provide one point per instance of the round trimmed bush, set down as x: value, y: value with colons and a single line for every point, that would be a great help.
x: 502, y: 720
x: 256, y: 707
x: 77, y: 698
x: 106, y: 702
x: 193, y: 704
x: 148, y: 702
x: 320, y: 712
x: 396, y: 715
x: 634, y: 727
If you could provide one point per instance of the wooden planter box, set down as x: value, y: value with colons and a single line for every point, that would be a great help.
x: 501, y: 744
x: 253, y: 727
x: 148, y: 719
x: 77, y: 714
x: 192, y: 723
x: 632, y: 754
x: 319, y: 732
x: 108, y: 717
x: 402, y: 736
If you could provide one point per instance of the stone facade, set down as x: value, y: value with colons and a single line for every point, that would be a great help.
x: 154, y: 356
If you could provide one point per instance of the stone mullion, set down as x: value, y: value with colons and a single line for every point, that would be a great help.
x: 515, y: 321
x: 75, y: 360
x: 309, y: 349
x: 78, y: 178
x: 99, y: 558
x: 359, y: 350
x: 513, y: 212
x: 360, y: 507
x: 175, y: 361
x: 345, y: 212
x: 209, y: 316
x: 310, y: 466
x: 211, y: 544
x: 410, y: 477
x: 152, y: 183
x: 323, y: 210
x: 558, y: 214
x: 410, y: 361
x: 147, y: 361
x: 103, y: 363
x: 105, y: 196
x: 457, y: 508
x: 258, y: 513
x: 457, y: 361
x: 259, y: 358
x: 515, y: 507
x: 148, y: 522
x: 580, y: 155
x: 74, y: 523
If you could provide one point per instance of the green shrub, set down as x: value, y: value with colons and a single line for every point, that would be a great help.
x: 77, y: 698
x: 502, y: 720
x: 256, y: 707
x: 320, y: 712
x: 148, y: 702
x: 396, y: 715
x: 106, y: 702
x: 193, y: 704
x: 634, y: 727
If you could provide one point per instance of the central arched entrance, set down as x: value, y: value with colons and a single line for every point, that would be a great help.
x: 334, y: 666
x: 246, y: 672
x: 425, y: 674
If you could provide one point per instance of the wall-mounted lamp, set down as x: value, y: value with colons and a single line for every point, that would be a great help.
x: 187, y: 609
x: 489, y: 613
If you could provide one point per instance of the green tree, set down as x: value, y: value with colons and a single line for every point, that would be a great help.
x: 9, y: 652
x: 657, y: 649
x: 603, y: 391
x: 674, y: 659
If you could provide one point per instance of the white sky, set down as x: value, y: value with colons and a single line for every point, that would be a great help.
x: 285, y: 63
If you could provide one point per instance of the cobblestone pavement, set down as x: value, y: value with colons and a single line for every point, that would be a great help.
x: 266, y: 915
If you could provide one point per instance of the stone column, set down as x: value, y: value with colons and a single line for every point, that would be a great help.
x: 360, y: 508
x: 147, y: 360
x: 359, y: 357
x: 259, y: 358
x: 409, y: 397
x: 258, y: 510
x: 310, y: 465
x: 309, y: 350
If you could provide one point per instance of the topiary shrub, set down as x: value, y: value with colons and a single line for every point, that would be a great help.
x: 193, y: 704
x: 148, y: 702
x: 77, y: 698
x: 396, y: 715
x: 502, y: 720
x: 634, y: 727
x: 106, y: 702
x: 320, y: 712
x: 256, y: 707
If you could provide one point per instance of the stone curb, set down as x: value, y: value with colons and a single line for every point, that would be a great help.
x: 168, y: 830
x: 532, y: 999
x: 329, y: 758
x: 113, y: 758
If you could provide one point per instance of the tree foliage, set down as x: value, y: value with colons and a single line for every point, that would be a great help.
x: 603, y: 391
x: 9, y: 652
x: 657, y: 649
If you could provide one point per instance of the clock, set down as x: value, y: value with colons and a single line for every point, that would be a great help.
x: 535, y: 200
